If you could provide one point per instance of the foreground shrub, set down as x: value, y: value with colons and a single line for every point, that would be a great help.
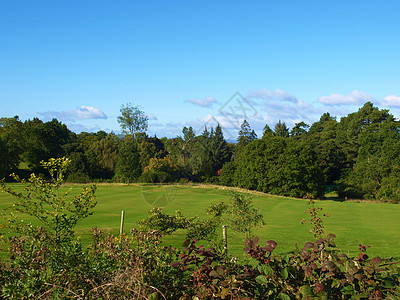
x: 313, y: 272
x: 48, y: 262
x: 137, y: 266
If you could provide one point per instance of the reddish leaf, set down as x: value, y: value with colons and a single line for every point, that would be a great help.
x: 319, y: 287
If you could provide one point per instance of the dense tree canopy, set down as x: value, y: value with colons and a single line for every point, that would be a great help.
x: 280, y: 166
x: 358, y: 155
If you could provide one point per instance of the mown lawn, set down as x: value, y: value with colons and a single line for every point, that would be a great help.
x: 374, y: 224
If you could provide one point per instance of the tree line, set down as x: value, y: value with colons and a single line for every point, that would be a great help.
x: 358, y: 155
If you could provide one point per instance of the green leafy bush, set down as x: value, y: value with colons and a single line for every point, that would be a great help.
x: 48, y: 262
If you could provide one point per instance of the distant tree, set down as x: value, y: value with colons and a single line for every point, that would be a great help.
x: 44, y: 141
x: 246, y: 135
x: 147, y: 150
x: 280, y: 166
x: 319, y: 126
x: 132, y: 120
x: 367, y: 118
x: 219, y: 150
x: 128, y: 166
x: 322, y: 136
x: 160, y: 151
x: 11, y: 144
x: 188, y: 134
x: 227, y: 176
x: 102, y: 156
x: 299, y: 129
x: 281, y: 129
x: 4, y: 167
x: 375, y: 173
x: 267, y: 131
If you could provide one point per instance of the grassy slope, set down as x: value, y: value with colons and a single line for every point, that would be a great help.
x: 373, y: 224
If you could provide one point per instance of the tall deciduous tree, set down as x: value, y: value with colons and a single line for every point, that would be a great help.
x: 132, y: 119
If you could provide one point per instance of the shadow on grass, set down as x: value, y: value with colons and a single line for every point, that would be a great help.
x: 334, y: 196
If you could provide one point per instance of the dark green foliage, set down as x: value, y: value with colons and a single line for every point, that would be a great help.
x: 4, y: 160
x: 44, y: 140
x: 358, y: 155
x: 128, y: 166
x: 78, y: 170
x: 199, y: 157
x: 367, y: 118
x: 245, y: 136
x: 376, y: 170
x: 280, y: 166
x: 147, y: 150
x: 227, y: 176
x: 219, y: 150
x: 11, y: 145
x: 281, y: 129
x: 372, y: 154
x: 331, y: 158
x: 102, y: 155
x: 160, y: 151
x: 156, y: 177
x: 267, y: 131
x: 299, y: 129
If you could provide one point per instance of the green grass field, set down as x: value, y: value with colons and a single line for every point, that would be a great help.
x: 374, y: 224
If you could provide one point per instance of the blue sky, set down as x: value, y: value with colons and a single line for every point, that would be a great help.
x: 192, y: 63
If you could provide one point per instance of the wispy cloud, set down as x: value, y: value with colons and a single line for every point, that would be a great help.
x: 203, y: 102
x: 152, y: 117
x: 353, y: 98
x: 80, y: 113
x: 391, y: 101
x: 169, y: 129
x: 76, y: 127
x: 275, y: 95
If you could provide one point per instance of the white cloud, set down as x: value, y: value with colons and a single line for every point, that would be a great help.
x: 80, y: 113
x: 152, y: 117
x: 391, y: 100
x: 203, y: 102
x: 268, y: 95
x: 353, y: 98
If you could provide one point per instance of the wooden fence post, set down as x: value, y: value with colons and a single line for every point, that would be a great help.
x: 225, y: 239
x: 121, y: 228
